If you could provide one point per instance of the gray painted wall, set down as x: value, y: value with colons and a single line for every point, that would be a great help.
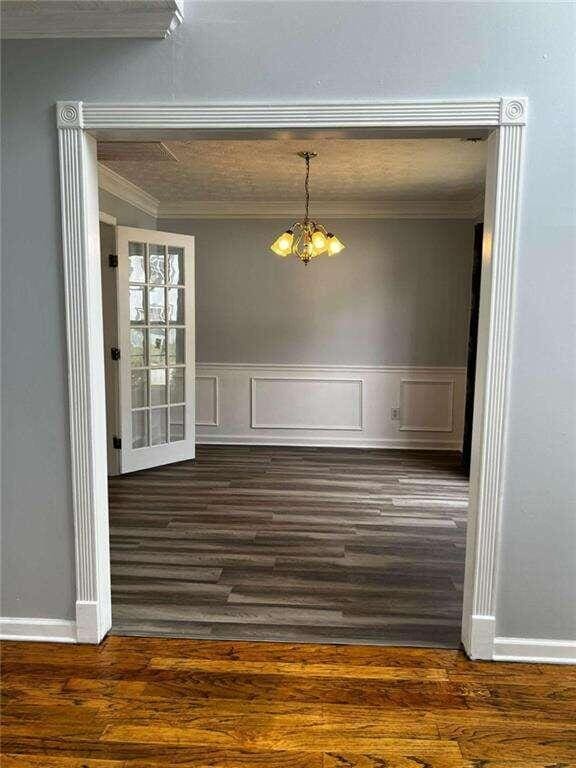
x: 260, y: 51
x: 126, y: 215
x: 399, y: 293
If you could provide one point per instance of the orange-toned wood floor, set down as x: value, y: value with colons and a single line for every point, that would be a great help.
x: 151, y: 702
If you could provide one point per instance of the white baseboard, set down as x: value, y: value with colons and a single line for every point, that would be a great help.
x: 92, y: 621
x: 320, y: 442
x: 38, y: 630
x: 478, y: 637
x: 531, y: 650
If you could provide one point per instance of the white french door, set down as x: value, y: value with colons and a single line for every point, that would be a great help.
x: 157, y: 347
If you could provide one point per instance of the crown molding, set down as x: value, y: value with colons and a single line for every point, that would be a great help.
x: 353, y: 209
x: 131, y: 193
x: 120, y: 187
x: 29, y: 19
x: 477, y: 206
x: 106, y: 218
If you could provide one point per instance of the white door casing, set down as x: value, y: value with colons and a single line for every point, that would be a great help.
x: 157, y: 347
x: 79, y: 121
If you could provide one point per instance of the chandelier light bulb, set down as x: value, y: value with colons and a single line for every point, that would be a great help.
x: 319, y: 240
x: 283, y: 244
x: 286, y: 241
x: 334, y: 245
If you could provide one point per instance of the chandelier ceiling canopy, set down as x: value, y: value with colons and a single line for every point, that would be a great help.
x: 307, y: 238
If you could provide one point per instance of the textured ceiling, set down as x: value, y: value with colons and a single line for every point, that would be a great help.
x: 345, y: 169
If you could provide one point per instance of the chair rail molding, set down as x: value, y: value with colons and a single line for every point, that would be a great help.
x: 79, y: 122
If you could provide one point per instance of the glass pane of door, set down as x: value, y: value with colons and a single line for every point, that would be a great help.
x: 158, y: 426
x: 137, y: 262
x: 157, y: 264
x: 177, y: 431
x: 175, y: 266
x: 139, y: 429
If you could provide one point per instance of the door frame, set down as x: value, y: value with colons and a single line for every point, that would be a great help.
x: 78, y: 122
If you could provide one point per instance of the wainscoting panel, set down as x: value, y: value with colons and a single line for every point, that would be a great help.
x: 306, y: 403
x: 426, y: 405
x: 328, y: 405
x: 207, y: 401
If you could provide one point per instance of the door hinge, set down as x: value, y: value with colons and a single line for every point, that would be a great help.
x: 113, y: 260
x: 117, y: 442
x: 115, y: 353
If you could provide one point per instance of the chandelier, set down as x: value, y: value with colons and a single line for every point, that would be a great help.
x: 307, y: 238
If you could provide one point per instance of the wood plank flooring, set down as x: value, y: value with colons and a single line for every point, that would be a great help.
x: 292, y: 544
x: 157, y: 702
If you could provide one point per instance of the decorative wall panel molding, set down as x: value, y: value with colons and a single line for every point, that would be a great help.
x: 305, y: 403
x: 285, y: 404
x: 426, y: 405
x: 207, y: 401
x: 27, y: 19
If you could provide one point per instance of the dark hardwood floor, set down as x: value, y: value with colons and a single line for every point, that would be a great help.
x: 173, y: 703
x: 294, y: 544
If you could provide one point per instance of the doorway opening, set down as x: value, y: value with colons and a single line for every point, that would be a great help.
x: 80, y: 124
x: 326, y: 500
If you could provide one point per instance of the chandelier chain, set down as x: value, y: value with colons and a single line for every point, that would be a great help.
x: 306, y: 185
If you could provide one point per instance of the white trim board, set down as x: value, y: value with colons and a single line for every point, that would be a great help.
x: 42, y: 630
x: 78, y: 19
x: 78, y: 122
x: 526, y: 649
